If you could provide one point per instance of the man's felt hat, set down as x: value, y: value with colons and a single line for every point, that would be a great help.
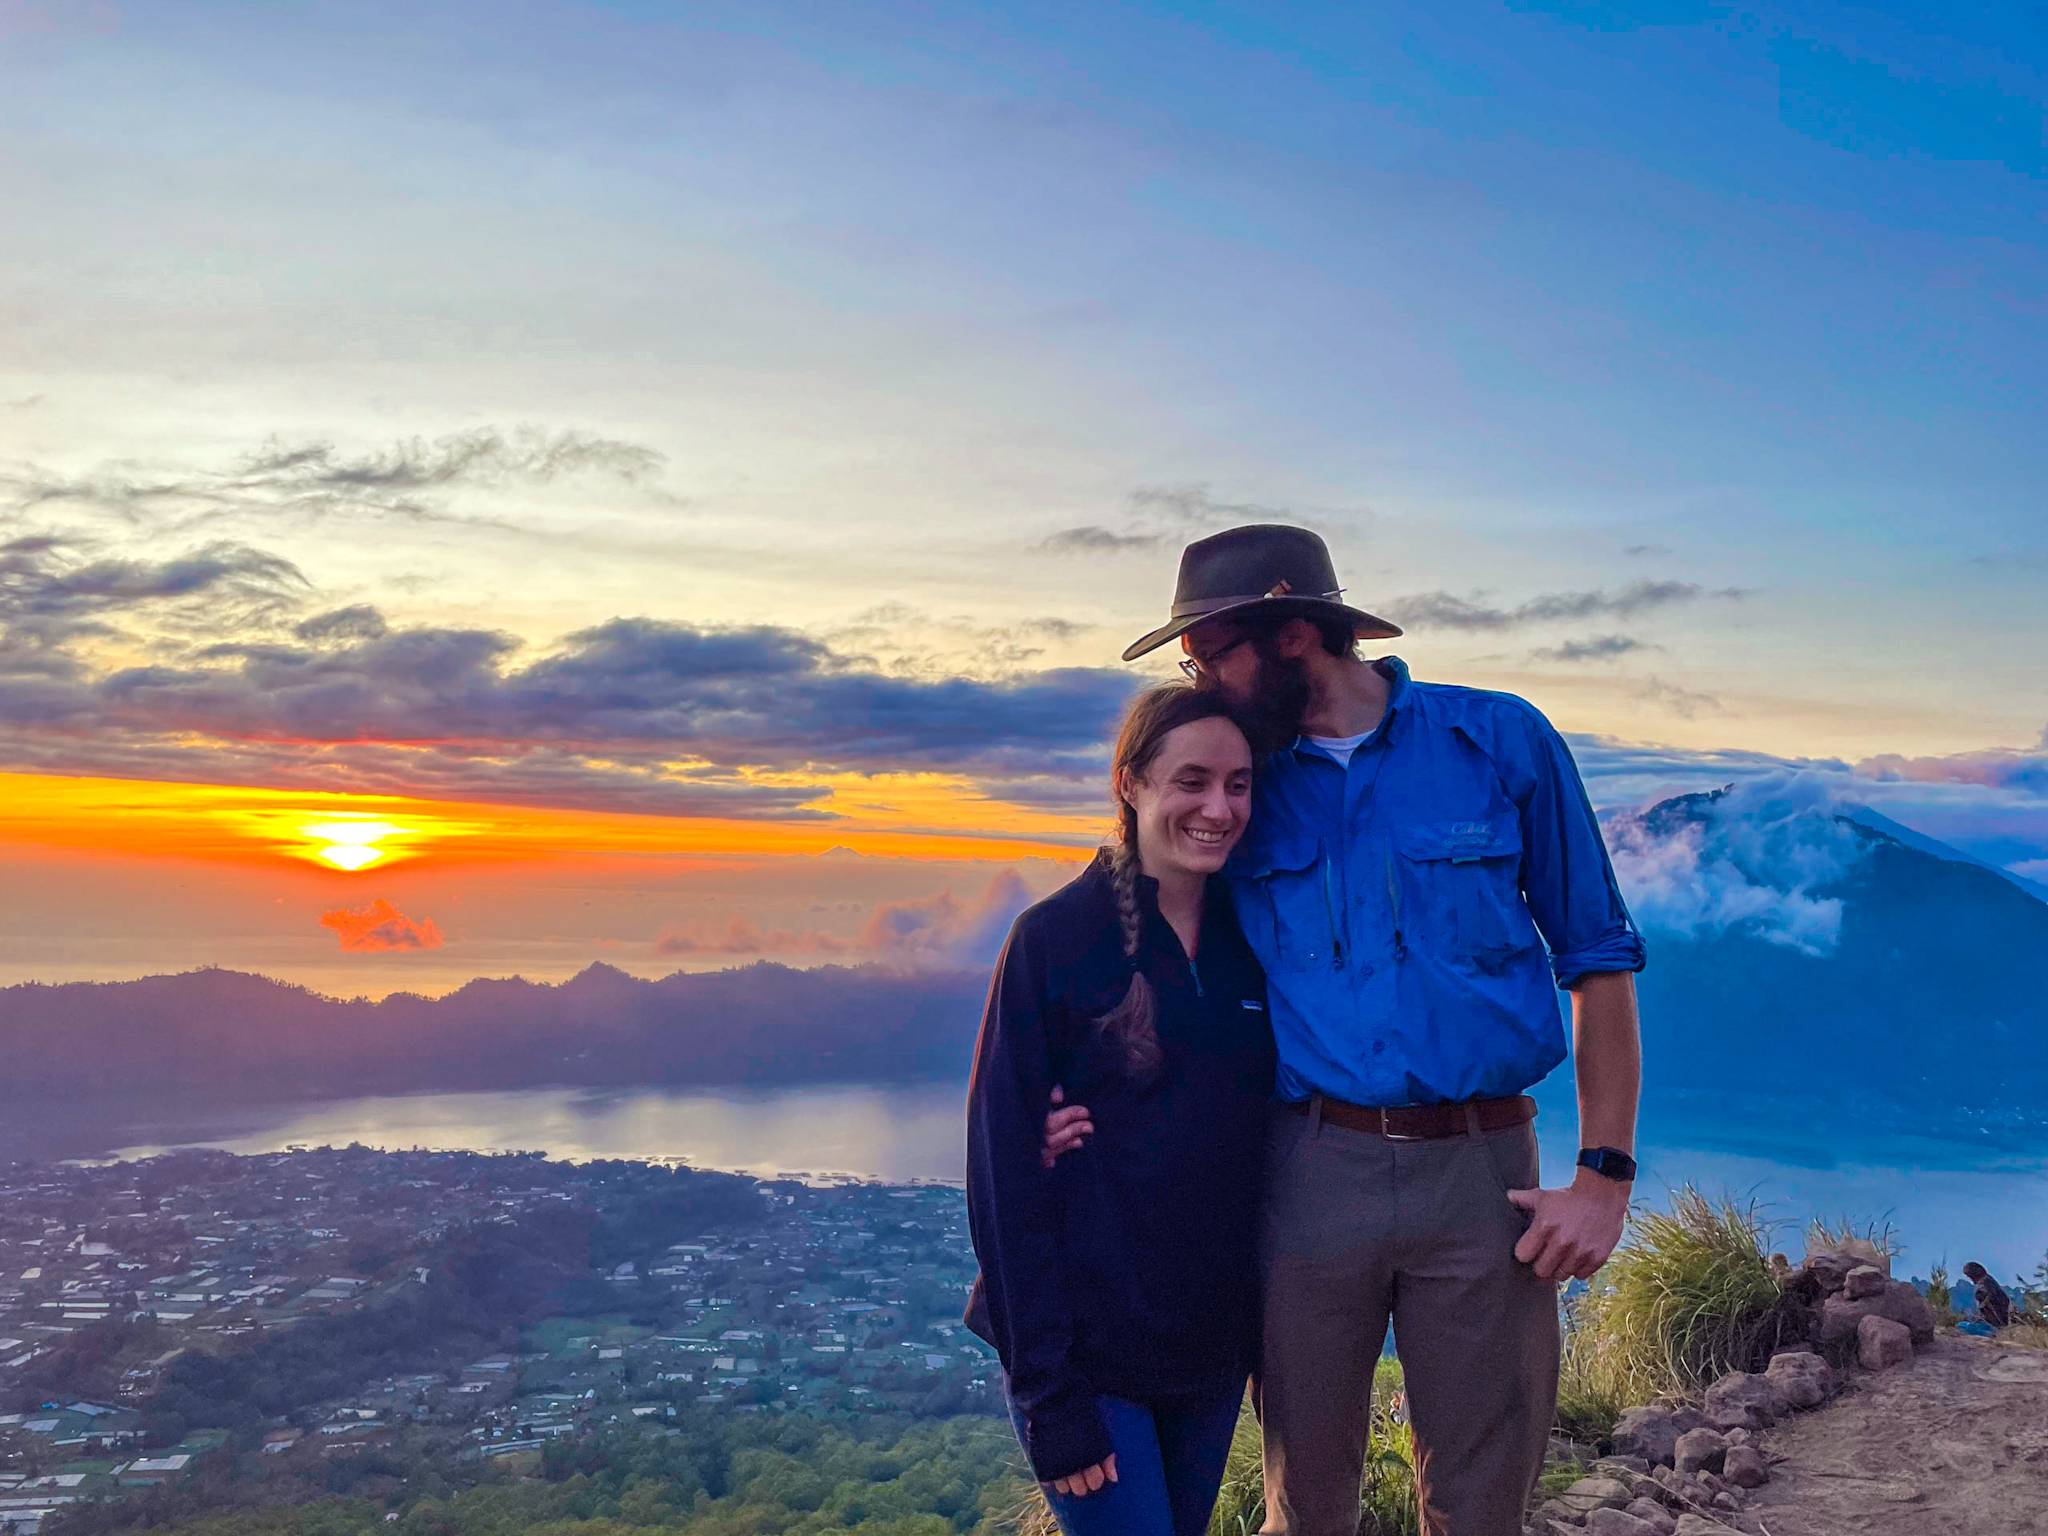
x: 1261, y: 569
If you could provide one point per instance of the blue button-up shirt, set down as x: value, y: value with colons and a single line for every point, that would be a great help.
x: 1402, y: 905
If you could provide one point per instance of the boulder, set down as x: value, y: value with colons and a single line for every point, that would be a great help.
x: 1903, y: 1304
x: 1617, y: 1522
x: 1803, y: 1379
x: 1614, y: 1466
x: 1651, y: 1434
x: 1699, y: 1525
x: 1860, y: 1250
x: 1736, y: 1437
x: 1826, y: 1271
x: 1744, y: 1467
x: 1726, y: 1502
x: 1654, y: 1515
x: 1741, y: 1391
x: 1882, y: 1343
x: 1699, y: 1450
x: 1730, y: 1420
x: 1591, y: 1493
x: 1864, y: 1280
x: 1840, y: 1316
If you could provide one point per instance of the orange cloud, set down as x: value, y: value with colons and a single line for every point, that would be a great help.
x: 380, y: 926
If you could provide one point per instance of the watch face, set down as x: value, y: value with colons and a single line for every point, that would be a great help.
x: 1609, y: 1163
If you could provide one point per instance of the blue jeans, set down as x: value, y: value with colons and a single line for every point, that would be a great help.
x: 1169, y: 1464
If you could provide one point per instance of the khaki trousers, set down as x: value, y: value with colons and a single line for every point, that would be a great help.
x: 1359, y: 1230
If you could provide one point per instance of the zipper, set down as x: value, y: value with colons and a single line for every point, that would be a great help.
x: 1194, y: 970
x: 1330, y: 909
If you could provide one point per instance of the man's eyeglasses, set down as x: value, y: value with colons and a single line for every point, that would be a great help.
x: 1194, y: 666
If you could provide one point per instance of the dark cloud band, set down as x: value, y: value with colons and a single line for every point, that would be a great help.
x: 634, y: 714
x: 1447, y: 610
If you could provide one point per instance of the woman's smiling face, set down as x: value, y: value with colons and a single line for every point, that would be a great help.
x: 1193, y: 799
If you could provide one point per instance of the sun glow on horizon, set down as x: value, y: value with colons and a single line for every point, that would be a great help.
x: 909, y: 816
x: 352, y: 845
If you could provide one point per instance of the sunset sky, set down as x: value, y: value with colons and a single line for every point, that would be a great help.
x: 496, y: 488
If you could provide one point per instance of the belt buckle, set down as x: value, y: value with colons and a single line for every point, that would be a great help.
x: 1387, y: 1130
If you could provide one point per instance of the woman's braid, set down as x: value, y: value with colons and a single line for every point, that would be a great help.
x: 1123, y: 873
x: 1132, y: 1024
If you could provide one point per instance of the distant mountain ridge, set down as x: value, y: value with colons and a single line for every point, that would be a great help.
x: 212, y: 1037
x: 1898, y: 832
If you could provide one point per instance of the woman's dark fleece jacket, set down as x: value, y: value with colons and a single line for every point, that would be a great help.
x: 1129, y: 1270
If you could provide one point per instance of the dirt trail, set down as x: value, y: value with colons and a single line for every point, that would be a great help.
x: 1956, y: 1441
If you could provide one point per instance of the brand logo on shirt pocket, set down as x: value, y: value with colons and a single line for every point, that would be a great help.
x: 1252, y: 1003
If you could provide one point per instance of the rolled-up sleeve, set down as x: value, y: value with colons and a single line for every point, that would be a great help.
x: 1567, y: 876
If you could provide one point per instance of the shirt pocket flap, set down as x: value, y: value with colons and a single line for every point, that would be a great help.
x: 1462, y: 842
x: 1285, y: 855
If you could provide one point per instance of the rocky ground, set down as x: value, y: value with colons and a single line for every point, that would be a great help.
x: 1880, y: 1424
x: 1955, y: 1441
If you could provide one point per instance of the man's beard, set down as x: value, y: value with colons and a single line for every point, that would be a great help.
x: 1271, y: 718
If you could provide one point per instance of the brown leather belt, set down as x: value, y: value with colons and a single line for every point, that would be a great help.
x: 1421, y: 1122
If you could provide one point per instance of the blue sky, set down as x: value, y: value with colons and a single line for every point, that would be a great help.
x: 1718, y: 329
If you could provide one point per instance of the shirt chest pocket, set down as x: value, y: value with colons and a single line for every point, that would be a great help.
x: 1295, y: 915
x: 1463, y: 881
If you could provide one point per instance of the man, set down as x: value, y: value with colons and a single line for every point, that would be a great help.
x: 1413, y: 849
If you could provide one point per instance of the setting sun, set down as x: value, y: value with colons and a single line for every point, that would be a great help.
x: 351, y: 845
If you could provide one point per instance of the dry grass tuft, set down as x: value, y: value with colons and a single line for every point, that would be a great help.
x: 1688, y: 1296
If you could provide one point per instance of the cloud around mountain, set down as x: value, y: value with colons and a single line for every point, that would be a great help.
x: 1991, y: 804
x: 1755, y: 861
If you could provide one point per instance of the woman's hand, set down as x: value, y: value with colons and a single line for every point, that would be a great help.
x: 1065, y: 1129
x: 1081, y: 1484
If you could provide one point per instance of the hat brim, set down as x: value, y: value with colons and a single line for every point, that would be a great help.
x: 1364, y: 625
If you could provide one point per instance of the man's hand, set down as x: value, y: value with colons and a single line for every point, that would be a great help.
x: 1065, y: 1129
x: 1571, y: 1231
x: 1081, y: 1484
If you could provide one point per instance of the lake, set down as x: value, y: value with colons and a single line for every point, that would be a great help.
x: 1956, y: 1195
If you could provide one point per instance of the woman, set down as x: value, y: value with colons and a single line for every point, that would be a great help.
x: 1120, y: 1287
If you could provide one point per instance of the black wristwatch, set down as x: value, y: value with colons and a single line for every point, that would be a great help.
x: 1608, y: 1163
